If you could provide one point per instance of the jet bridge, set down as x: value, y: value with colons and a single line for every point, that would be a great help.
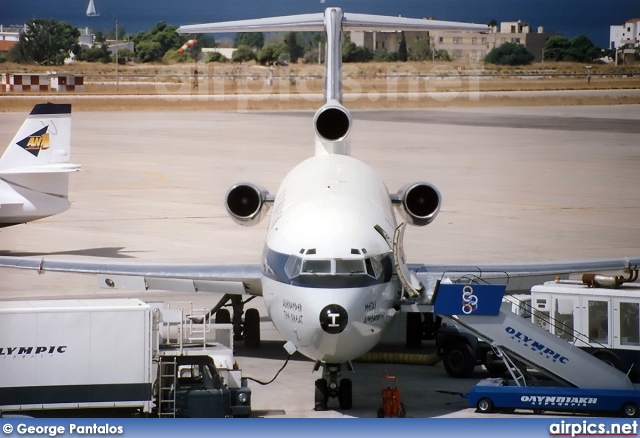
x: 474, y: 307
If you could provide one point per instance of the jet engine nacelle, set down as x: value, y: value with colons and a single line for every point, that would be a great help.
x: 247, y: 203
x: 333, y: 125
x: 419, y: 203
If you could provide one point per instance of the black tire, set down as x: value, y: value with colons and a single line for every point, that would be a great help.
x: 345, y: 394
x: 223, y: 316
x: 458, y: 360
x: 322, y: 395
x: 496, y: 369
x: 610, y: 359
x: 629, y: 410
x: 414, y: 330
x: 380, y: 413
x: 484, y: 405
x: 252, y: 328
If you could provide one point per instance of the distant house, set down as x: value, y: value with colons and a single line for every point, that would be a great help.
x: 625, y: 39
x: 226, y: 52
x: 462, y: 45
x: 5, y: 47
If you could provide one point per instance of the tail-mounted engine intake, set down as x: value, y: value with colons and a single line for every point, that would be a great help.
x: 333, y: 125
x: 418, y: 203
x: 247, y: 204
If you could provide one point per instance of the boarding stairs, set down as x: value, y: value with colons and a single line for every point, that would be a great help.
x: 534, y: 346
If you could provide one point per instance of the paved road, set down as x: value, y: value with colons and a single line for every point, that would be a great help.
x: 518, y: 184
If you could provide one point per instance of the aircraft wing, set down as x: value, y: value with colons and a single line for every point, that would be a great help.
x: 519, y: 277
x: 245, y: 279
x: 227, y: 279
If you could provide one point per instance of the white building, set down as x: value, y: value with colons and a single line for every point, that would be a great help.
x: 625, y: 38
x: 462, y: 45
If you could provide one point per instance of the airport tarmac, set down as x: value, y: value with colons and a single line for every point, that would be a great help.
x: 518, y: 184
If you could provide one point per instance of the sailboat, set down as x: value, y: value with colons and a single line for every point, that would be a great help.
x: 91, y: 10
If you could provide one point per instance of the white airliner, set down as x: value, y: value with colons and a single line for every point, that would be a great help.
x: 333, y: 274
x: 34, y: 170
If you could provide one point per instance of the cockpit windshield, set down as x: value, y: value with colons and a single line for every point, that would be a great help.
x: 307, y: 269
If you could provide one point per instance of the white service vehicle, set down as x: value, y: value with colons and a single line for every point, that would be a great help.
x: 116, y: 357
x: 598, y: 314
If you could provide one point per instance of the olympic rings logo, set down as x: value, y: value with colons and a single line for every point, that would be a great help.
x: 469, y: 300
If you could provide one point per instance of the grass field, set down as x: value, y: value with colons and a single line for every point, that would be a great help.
x: 367, y: 85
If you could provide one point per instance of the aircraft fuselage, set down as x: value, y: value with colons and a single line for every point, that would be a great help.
x: 328, y: 279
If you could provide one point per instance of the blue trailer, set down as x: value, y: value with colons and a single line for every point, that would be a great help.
x: 500, y: 394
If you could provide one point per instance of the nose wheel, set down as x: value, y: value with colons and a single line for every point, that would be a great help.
x: 331, y: 386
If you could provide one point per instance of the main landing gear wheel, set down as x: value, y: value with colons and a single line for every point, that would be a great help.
x: 414, y: 330
x: 345, y: 394
x: 223, y: 316
x: 322, y: 395
x: 252, y: 328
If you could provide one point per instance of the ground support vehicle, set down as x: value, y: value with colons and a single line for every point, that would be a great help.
x: 392, y: 405
x: 116, y: 357
x: 499, y: 394
x: 462, y: 351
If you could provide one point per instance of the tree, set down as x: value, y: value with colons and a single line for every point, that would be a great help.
x: 555, y: 48
x: 216, y: 57
x: 293, y: 47
x: 125, y: 55
x: 577, y: 49
x: 492, y: 23
x: 243, y: 54
x: 99, y: 52
x: 353, y: 53
x: 509, y: 54
x: 122, y: 34
x: 442, y: 55
x: 402, y: 49
x: 582, y: 49
x: 47, y: 42
x: 149, y: 51
x: 151, y: 45
x: 254, y: 40
x: 271, y: 52
x: 420, y: 50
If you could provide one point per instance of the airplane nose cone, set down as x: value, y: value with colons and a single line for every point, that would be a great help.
x: 333, y: 319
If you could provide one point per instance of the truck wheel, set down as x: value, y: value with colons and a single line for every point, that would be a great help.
x: 610, y: 359
x: 485, y: 405
x: 322, y: 395
x: 414, y: 330
x: 496, y: 369
x: 223, y: 316
x: 459, y: 360
x: 252, y: 328
x: 629, y: 410
x: 345, y: 394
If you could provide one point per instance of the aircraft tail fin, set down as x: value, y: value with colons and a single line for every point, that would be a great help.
x: 333, y: 21
x: 332, y: 120
x: 34, y: 169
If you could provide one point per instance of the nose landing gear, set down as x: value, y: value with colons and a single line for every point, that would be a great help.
x: 331, y: 386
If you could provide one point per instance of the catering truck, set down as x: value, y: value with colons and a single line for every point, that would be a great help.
x: 116, y: 357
